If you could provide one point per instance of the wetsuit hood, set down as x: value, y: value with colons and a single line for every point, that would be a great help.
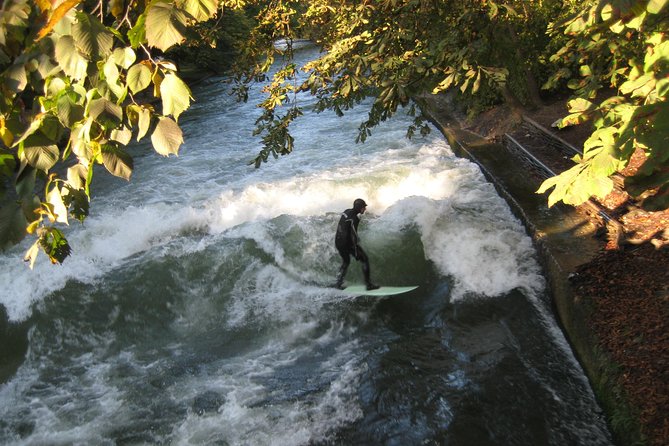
x: 359, y: 204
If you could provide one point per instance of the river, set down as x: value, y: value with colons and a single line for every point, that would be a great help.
x: 195, y: 307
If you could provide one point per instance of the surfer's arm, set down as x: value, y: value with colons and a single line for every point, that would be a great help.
x: 354, y: 239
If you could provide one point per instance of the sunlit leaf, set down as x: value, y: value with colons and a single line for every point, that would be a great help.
x: 42, y: 157
x: 69, y: 59
x: 175, y: 95
x: 92, y: 37
x: 68, y: 111
x: 139, y: 77
x: 200, y: 10
x: 31, y: 254
x: 632, y: 85
x: 572, y: 119
x: 56, y: 16
x: 123, y: 135
x: 124, y: 57
x: 165, y: 24
x: 143, y: 123
x: 167, y: 137
x: 15, y: 78
x: 76, y: 176
x: 55, y: 199
x: 6, y: 134
x: 579, y: 105
x: 105, y: 111
x: 110, y: 71
x: 117, y: 161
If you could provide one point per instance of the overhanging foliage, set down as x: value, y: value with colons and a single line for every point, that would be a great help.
x: 82, y: 78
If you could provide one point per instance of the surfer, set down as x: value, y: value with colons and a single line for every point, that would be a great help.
x: 346, y: 242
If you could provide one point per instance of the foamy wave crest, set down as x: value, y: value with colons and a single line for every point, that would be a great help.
x: 99, y: 246
x: 473, y: 238
x: 384, y: 179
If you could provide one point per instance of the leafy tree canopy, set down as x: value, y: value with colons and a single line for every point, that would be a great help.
x: 82, y: 78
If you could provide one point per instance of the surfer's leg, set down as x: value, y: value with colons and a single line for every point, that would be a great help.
x: 345, y: 261
x: 362, y: 257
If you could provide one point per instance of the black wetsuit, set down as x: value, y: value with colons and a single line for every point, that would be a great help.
x: 346, y: 242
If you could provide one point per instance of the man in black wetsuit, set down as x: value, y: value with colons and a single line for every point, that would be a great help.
x: 346, y: 241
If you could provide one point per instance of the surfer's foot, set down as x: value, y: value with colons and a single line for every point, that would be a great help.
x: 371, y: 286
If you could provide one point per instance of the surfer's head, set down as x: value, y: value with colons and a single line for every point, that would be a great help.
x: 359, y: 205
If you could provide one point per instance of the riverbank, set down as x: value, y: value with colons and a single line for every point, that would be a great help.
x: 613, y: 304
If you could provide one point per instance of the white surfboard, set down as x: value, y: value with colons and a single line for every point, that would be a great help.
x: 361, y: 290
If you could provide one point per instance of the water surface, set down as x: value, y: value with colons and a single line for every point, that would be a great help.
x: 194, y: 309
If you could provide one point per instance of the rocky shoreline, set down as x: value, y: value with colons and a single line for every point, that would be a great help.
x: 613, y: 304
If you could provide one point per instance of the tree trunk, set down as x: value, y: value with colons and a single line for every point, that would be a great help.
x: 511, y: 100
x: 531, y: 86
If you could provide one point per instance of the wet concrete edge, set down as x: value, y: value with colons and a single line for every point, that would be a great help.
x: 563, y: 238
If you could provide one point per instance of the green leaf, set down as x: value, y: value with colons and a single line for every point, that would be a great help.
x: 117, y: 161
x: 110, y: 71
x: 593, y: 185
x: 200, y: 10
x: 572, y: 119
x: 165, y: 24
x: 15, y: 78
x: 51, y: 128
x: 579, y: 105
x: 563, y: 184
x: 139, y: 77
x: 53, y: 86
x: 137, y: 35
x: 92, y: 37
x: 175, y: 95
x: 79, y: 139
x: 76, y: 176
x: 45, y: 66
x: 124, y: 57
x: 41, y: 157
x: 662, y: 87
x: 70, y: 61
x: 167, y: 137
x: 68, y: 111
x: 124, y: 135
x: 112, y: 79
x: 105, y: 111
x: 7, y: 164
x: 77, y: 201
x: 143, y: 123
x: 54, y: 244
x: 603, y: 165
x: 635, y: 84
x: 32, y: 128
